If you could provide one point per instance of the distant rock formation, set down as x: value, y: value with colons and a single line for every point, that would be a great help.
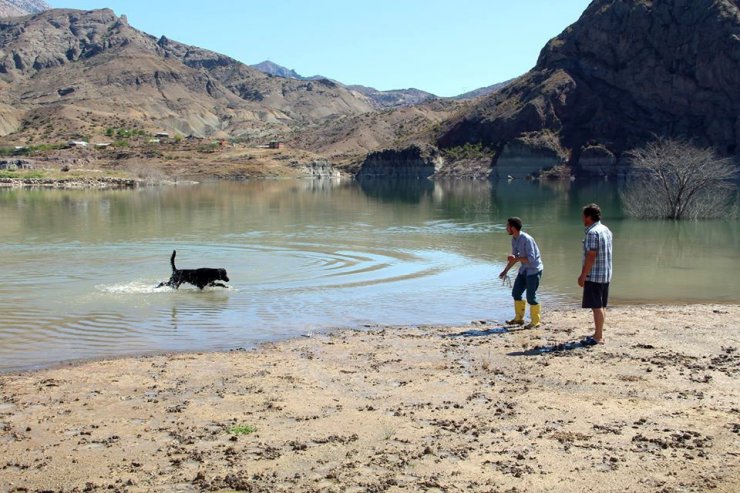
x: 626, y: 71
x: 273, y: 68
x: 395, y: 98
x: 414, y: 162
x: 483, y: 91
x: 15, y: 8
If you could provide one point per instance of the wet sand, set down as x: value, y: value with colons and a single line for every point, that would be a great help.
x: 656, y: 409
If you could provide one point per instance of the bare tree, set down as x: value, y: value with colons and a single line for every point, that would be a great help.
x: 673, y: 179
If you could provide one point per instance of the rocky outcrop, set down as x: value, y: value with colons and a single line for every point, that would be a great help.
x: 519, y: 160
x: 319, y: 168
x: 13, y: 164
x: 469, y: 168
x: 529, y: 154
x: 597, y: 160
x: 396, y: 98
x: 413, y: 162
x: 272, y: 68
x: 626, y: 71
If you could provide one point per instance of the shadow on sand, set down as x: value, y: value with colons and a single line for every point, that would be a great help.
x: 488, y: 332
x: 535, y: 351
x: 555, y: 348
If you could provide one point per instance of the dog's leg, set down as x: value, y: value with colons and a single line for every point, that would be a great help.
x: 218, y: 283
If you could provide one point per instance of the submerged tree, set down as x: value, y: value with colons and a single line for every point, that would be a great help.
x: 673, y: 179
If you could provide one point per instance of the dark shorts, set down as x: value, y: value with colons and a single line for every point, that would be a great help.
x: 595, y: 294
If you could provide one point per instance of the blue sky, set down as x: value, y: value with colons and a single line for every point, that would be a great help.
x: 446, y: 47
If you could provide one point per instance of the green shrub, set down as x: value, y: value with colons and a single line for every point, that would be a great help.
x: 242, y: 429
x: 21, y: 174
x: 467, y: 151
x: 208, y: 147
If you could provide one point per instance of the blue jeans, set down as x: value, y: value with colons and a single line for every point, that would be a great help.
x: 530, y: 284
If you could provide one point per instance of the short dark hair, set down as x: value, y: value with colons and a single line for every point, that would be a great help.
x: 593, y: 211
x: 515, y: 222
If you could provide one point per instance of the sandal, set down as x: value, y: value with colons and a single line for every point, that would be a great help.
x: 590, y: 341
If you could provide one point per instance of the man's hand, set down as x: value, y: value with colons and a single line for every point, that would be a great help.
x: 587, y: 264
x: 502, y: 275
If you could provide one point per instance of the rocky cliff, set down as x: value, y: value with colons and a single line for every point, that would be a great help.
x: 626, y: 71
x: 414, y: 163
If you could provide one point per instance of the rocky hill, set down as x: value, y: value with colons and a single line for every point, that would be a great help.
x: 626, y: 71
x: 15, y: 8
x: 273, y: 68
x: 396, y: 98
x: 67, y: 72
x: 483, y: 91
x: 346, y: 142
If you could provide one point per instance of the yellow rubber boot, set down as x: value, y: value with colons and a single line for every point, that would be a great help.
x: 534, y: 313
x: 520, y: 306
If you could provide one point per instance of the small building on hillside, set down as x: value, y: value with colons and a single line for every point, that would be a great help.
x: 162, y: 135
x: 274, y: 144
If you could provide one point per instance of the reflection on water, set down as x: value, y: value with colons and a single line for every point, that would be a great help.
x: 80, y: 266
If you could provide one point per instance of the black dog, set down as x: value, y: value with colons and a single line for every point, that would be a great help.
x: 197, y: 277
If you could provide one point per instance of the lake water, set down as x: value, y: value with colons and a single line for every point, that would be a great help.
x: 80, y: 267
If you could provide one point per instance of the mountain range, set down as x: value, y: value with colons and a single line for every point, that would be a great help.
x: 625, y: 72
x: 381, y: 99
x: 72, y: 72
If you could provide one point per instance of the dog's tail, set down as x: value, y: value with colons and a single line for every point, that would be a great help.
x: 172, y: 260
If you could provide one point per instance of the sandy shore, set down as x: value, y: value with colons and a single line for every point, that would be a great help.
x: 657, y: 409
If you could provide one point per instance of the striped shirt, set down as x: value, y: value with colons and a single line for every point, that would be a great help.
x: 525, y: 246
x: 599, y: 239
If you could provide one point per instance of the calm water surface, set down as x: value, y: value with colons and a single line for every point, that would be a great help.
x: 80, y: 267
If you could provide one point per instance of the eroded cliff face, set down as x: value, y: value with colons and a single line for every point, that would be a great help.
x: 414, y: 162
x: 626, y: 71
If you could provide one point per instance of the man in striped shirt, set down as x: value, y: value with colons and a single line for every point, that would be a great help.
x: 596, y: 273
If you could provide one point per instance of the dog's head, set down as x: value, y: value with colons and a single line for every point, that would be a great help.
x: 222, y: 275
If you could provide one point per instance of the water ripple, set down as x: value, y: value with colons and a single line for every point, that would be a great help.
x: 88, y: 306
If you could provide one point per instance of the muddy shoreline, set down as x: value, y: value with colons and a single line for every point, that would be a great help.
x: 469, y: 408
x: 72, y: 183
